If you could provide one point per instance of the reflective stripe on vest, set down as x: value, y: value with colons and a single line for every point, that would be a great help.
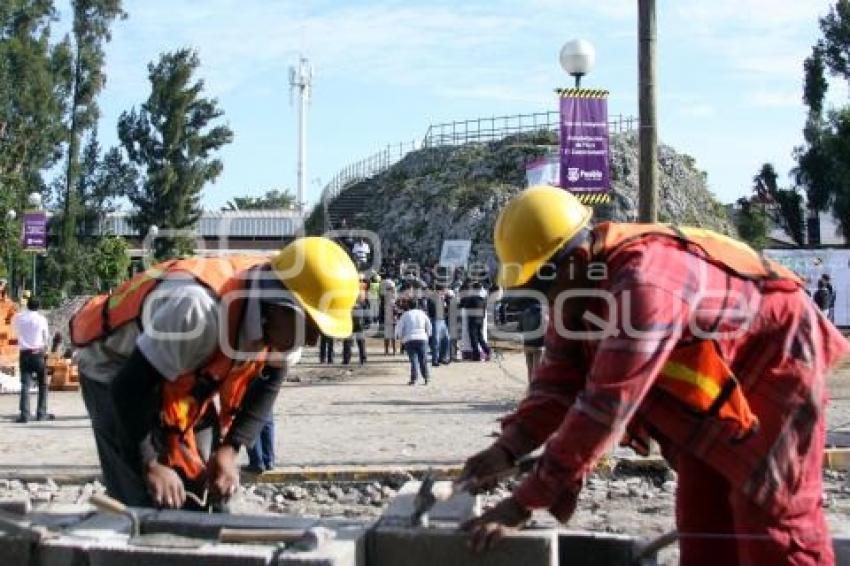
x: 697, y: 376
x: 187, y: 399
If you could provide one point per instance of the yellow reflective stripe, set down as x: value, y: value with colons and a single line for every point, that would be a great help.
x: 116, y: 300
x: 677, y: 371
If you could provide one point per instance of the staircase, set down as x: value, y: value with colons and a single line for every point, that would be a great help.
x: 351, y: 204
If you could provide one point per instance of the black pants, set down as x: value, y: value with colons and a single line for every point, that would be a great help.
x: 32, y: 364
x: 326, y: 350
x: 476, y: 338
x: 361, y: 348
x: 120, y: 461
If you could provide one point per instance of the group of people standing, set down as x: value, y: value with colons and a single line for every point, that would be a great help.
x: 434, y: 322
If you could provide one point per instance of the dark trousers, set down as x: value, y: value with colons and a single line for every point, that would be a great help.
x: 120, y: 461
x: 32, y: 365
x: 476, y: 339
x: 361, y: 348
x: 417, y: 352
x: 326, y: 350
x: 261, y: 454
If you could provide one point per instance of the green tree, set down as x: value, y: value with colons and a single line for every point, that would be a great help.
x: 111, y: 262
x: 92, y: 20
x: 822, y: 166
x: 835, y: 27
x: 172, y: 139
x: 788, y: 213
x: 34, y: 86
x: 273, y: 199
x: 102, y: 180
x: 752, y: 223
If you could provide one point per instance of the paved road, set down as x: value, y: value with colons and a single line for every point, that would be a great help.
x: 365, y: 416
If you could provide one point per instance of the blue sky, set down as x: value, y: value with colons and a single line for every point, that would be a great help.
x: 730, y: 74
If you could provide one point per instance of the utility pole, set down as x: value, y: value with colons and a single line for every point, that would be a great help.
x: 648, y: 177
x: 301, y: 81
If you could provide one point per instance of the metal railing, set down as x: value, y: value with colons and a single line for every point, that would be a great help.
x: 498, y: 127
x: 365, y: 168
x: 455, y: 133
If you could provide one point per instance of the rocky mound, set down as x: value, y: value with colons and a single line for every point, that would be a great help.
x: 456, y: 192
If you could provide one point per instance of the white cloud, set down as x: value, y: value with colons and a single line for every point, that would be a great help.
x: 697, y: 110
x: 775, y: 99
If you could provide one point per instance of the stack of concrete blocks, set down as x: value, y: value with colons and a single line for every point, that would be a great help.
x: 64, y: 375
x: 8, y: 340
x: 171, y: 538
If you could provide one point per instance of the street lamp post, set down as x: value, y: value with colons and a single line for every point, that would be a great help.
x: 11, y: 215
x: 35, y: 202
x: 578, y: 58
x: 648, y: 172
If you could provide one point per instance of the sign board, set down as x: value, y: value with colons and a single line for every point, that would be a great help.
x: 544, y: 171
x: 35, y: 230
x: 811, y: 264
x: 455, y: 253
x: 584, y: 144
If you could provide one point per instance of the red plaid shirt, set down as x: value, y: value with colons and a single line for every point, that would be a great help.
x: 588, y: 388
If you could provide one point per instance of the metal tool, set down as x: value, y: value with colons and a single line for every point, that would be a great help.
x: 655, y: 545
x: 427, y: 497
x: 160, y: 540
x: 301, y: 540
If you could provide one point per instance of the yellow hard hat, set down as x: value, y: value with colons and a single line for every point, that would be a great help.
x: 323, y: 279
x: 532, y: 228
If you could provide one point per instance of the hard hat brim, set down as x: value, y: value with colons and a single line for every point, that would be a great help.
x: 512, y: 278
x: 329, y: 325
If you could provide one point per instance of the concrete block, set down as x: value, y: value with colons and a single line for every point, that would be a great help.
x: 16, y: 505
x: 119, y: 551
x: 841, y: 547
x: 584, y: 548
x: 457, y: 508
x: 392, y: 546
x: 15, y: 551
x: 203, y: 525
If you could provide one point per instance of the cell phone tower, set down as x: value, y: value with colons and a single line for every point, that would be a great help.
x: 301, y: 82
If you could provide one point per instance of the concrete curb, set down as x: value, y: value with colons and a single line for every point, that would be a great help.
x: 837, y: 459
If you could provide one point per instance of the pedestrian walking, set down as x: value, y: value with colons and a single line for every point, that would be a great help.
x: 414, y: 330
x: 736, y: 402
x: 361, y: 318
x: 532, y: 326
x: 33, y: 336
x: 261, y: 455
x: 823, y: 298
x: 437, y: 313
x: 476, y: 317
x: 326, y: 350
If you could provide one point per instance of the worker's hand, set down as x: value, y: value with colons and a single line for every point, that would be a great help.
x: 164, y: 485
x: 486, y: 530
x: 223, y: 473
x: 483, y: 471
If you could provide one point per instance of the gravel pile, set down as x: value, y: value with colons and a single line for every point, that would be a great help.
x: 630, y: 503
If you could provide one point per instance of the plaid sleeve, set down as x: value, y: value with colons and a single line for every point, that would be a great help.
x: 643, y: 325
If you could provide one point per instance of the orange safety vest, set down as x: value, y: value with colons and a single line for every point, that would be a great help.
x: 695, y: 373
x: 188, y: 398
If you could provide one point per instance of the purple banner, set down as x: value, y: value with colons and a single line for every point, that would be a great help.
x: 584, y: 143
x: 35, y: 230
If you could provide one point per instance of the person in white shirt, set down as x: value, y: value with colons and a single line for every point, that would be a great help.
x: 32, y: 331
x: 414, y: 331
x: 360, y: 251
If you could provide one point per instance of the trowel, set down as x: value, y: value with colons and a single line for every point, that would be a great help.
x: 107, y: 504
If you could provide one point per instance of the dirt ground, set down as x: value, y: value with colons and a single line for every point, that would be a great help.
x: 334, y: 415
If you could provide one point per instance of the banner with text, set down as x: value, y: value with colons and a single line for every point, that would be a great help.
x: 584, y: 144
x: 35, y: 230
